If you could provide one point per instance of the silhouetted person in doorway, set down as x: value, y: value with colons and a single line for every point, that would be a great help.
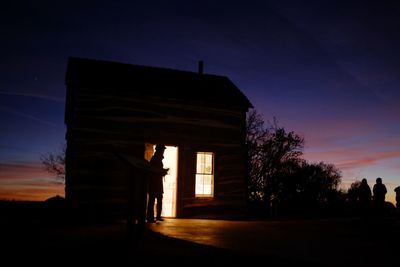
x: 156, y: 189
x: 379, y: 191
x: 364, y: 197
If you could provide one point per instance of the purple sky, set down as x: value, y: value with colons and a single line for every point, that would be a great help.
x: 328, y: 70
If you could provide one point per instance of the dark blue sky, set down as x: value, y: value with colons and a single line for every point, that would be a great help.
x: 328, y: 70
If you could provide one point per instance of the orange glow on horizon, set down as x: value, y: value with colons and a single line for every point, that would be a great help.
x: 28, y: 181
x: 31, y: 193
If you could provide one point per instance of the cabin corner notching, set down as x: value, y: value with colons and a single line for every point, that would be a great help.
x: 115, y: 113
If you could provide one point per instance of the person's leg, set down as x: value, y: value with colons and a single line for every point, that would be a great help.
x: 159, y: 207
x: 150, y: 208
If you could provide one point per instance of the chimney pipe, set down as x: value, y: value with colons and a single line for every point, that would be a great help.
x: 201, y: 67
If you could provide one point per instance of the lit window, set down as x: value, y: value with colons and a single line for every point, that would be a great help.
x: 204, y: 174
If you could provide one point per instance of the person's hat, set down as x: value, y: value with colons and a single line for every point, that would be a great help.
x: 160, y: 147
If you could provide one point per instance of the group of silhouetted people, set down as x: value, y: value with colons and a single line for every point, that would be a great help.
x: 374, y: 198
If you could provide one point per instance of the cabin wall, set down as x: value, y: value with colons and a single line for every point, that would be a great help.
x: 98, y: 181
x: 124, y: 117
x: 229, y: 183
x: 99, y: 124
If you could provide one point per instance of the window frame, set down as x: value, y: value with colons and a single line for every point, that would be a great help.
x: 211, y: 174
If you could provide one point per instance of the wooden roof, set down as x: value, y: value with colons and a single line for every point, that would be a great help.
x: 119, y: 78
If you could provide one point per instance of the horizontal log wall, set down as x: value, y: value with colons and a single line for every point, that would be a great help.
x: 100, y: 125
x: 229, y: 183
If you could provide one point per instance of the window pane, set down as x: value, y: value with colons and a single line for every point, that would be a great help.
x: 207, y: 179
x: 208, y: 159
x: 199, y: 179
x: 199, y: 189
x: 207, y: 190
x: 200, y: 163
x: 207, y: 169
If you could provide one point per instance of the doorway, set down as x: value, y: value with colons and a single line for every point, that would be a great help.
x: 170, y: 180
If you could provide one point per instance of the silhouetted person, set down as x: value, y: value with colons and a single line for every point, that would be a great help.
x: 397, y: 190
x: 364, y: 196
x: 379, y: 191
x: 156, y: 189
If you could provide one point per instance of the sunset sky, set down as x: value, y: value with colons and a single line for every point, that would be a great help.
x: 327, y: 70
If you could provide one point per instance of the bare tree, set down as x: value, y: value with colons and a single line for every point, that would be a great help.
x: 277, y: 176
x: 269, y: 150
x: 256, y: 134
x: 54, y: 163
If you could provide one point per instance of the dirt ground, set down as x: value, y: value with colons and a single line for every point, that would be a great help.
x: 106, y: 245
x: 28, y: 239
x: 351, y: 241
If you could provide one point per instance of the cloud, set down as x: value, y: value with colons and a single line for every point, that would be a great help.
x: 371, y: 160
x: 347, y: 158
x: 8, y: 147
x: 25, y: 115
x: 21, y: 170
x: 40, y: 96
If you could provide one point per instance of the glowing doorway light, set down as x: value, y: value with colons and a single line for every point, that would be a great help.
x: 170, y: 182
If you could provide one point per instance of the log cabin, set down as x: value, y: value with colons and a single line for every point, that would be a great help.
x: 116, y: 113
